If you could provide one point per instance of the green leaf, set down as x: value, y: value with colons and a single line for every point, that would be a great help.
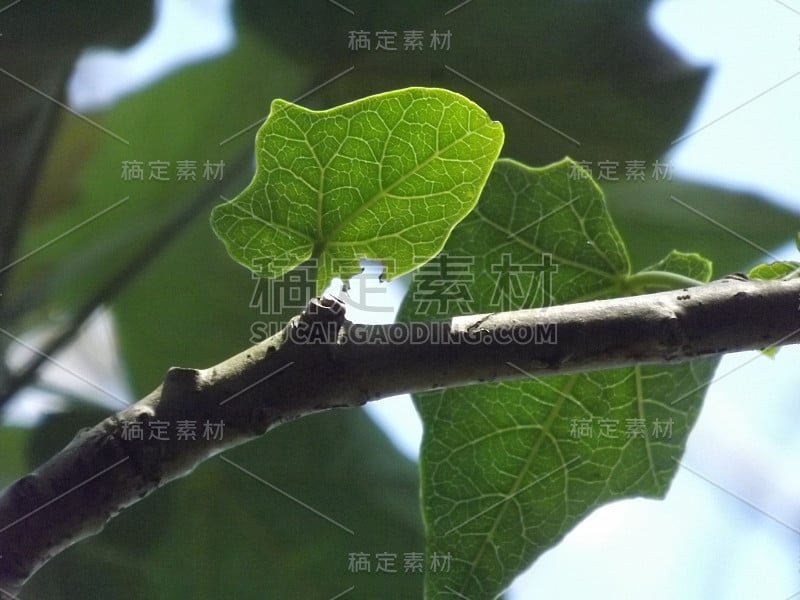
x: 508, y: 469
x: 677, y: 269
x: 774, y: 270
x: 386, y: 177
x: 687, y: 264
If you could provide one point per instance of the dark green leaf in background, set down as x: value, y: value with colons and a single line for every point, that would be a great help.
x: 657, y: 215
x: 593, y: 70
x: 41, y: 41
x: 222, y: 533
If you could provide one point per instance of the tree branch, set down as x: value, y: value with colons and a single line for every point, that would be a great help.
x: 321, y: 361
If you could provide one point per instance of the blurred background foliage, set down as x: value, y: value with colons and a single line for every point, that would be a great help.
x: 592, y: 70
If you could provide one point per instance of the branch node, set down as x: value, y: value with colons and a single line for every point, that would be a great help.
x: 320, y: 322
x: 324, y: 309
x: 182, y: 379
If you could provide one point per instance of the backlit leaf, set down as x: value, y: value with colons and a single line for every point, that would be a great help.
x: 386, y: 177
x: 507, y: 469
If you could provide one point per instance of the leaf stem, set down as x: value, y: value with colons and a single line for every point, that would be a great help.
x: 658, y: 280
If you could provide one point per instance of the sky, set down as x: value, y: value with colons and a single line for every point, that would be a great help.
x: 729, y: 525
x: 746, y: 128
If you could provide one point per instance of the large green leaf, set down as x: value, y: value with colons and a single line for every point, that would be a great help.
x: 507, y: 469
x: 386, y: 177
